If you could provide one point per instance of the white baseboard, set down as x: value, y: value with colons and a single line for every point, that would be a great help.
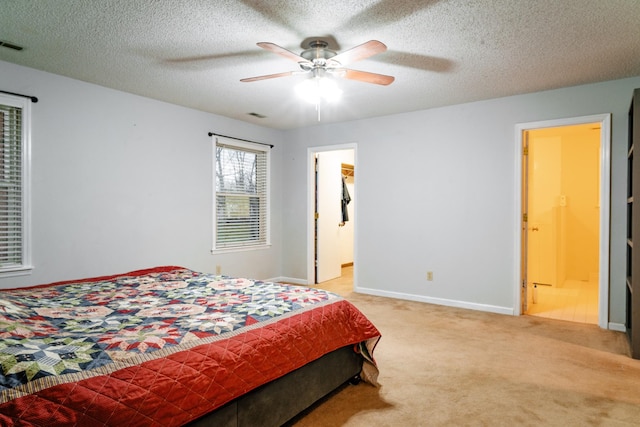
x: 288, y: 280
x: 438, y: 301
x: 617, y: 327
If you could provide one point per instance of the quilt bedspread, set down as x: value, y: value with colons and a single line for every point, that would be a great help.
x: 158, y: 347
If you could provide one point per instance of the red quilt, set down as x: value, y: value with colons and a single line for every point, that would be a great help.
x: 158, y: 347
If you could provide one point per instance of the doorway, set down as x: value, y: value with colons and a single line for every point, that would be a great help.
x: 564, y: 199
x: 331, y: 208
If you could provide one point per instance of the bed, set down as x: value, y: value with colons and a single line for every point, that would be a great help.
x: 169, y: 346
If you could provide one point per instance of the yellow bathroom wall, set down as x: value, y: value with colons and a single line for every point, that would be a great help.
x: 580, y: 181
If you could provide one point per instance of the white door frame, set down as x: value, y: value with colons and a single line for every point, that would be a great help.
x: 605, y: 204
x: 311, y: 152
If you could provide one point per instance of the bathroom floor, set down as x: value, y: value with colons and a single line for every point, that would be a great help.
x: 575, y: 301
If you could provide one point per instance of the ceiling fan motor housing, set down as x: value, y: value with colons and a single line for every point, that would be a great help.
x: 318, y: 52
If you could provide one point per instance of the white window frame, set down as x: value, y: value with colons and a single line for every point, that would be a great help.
x: 265, y: 220
x: 24, y: 266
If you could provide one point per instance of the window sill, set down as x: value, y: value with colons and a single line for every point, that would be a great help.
x: 16, y: 271
x: 240, y: 249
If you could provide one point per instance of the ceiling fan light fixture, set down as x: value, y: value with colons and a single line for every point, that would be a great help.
x: 316, y: 89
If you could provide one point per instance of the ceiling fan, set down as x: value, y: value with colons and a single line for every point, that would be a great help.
x: 318, y: 61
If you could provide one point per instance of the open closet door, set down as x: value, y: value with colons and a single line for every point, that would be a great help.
x: 329, y: 215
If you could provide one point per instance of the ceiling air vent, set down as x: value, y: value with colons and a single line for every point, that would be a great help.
x: 10, y: 45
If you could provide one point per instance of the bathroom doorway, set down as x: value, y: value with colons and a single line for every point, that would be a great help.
x: 564, y: 191
x: 332, y: 212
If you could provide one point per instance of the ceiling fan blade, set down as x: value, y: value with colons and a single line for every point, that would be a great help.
x: 272, y: 47
x: 364, y: 76
x: 365, y: 50
x: 269, y: 76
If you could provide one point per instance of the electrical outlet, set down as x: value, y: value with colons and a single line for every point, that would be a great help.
x: 218, y: 269
x: 430, y: 275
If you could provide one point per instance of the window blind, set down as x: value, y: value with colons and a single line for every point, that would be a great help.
x: 11, y: 185
x: 241, y: 202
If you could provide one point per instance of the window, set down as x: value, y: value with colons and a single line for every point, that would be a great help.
x: 15, y: 250
x: 241, y: 195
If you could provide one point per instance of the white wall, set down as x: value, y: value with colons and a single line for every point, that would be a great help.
x: 437, y: 191
x: 122, y: 182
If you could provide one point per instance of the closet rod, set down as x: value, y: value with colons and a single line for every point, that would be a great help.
x: 33, y: 98
x: 239, y: 139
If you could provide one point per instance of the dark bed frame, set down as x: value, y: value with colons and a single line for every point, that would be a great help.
x: 279, y: 401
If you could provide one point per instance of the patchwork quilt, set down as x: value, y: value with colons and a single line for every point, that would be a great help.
x: 159, y: 347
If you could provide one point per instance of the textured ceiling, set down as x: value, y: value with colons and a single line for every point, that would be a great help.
x: 441, y: 52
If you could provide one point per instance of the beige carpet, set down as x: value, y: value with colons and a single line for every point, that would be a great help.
x: 442, y: 366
